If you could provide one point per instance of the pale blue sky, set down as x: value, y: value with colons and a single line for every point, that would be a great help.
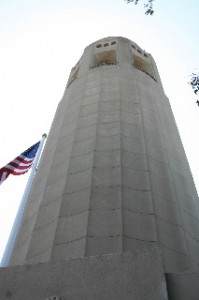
x: 41, y: 40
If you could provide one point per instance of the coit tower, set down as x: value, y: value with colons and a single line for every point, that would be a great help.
x: 113, y: 177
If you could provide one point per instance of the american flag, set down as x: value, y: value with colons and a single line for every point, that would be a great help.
x: 21, y: 164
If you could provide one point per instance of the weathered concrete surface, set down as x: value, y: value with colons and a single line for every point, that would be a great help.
x: 128, y: 276
x: 183, y: 286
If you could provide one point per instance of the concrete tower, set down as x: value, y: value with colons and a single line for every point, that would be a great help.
x: 113, y: 199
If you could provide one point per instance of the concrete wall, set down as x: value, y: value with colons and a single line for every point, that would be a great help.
x: 183, y: 286
x: 114, y: 176
x: 130, y: 276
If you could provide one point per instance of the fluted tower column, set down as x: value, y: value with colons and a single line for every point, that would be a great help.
x: 114, y: 176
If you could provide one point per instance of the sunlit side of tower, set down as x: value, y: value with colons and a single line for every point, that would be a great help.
x: 114, y: 176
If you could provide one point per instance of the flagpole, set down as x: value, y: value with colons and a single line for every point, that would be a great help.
x: 19, y: 215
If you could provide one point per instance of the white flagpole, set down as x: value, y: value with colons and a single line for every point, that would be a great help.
x: 19, y: 215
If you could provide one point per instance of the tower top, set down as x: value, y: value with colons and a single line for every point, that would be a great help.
x: 118, y: 51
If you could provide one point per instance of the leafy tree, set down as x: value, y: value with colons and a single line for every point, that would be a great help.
x: 148, y: 6
x: 194, y: 83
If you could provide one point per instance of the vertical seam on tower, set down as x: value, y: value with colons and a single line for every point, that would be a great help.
x: 121, y: 167
x: 26, y: 257
x: 176, y: 195
x: 53, y: 244
x: 147, y: 158
x: 94, y: 153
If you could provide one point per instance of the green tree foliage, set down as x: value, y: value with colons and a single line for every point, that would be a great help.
x: 148, y: 6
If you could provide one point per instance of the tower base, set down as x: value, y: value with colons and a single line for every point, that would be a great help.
x: 127, y: 276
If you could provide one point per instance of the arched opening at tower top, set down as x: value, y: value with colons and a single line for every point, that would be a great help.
x: 143, y: 66
x: 105, y: 58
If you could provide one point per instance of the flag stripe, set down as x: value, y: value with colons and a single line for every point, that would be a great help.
x: 19, y: 166
x: 11, y: 169
x: 21, y: 162
x: 16, y: 172
x: 22, y: 159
